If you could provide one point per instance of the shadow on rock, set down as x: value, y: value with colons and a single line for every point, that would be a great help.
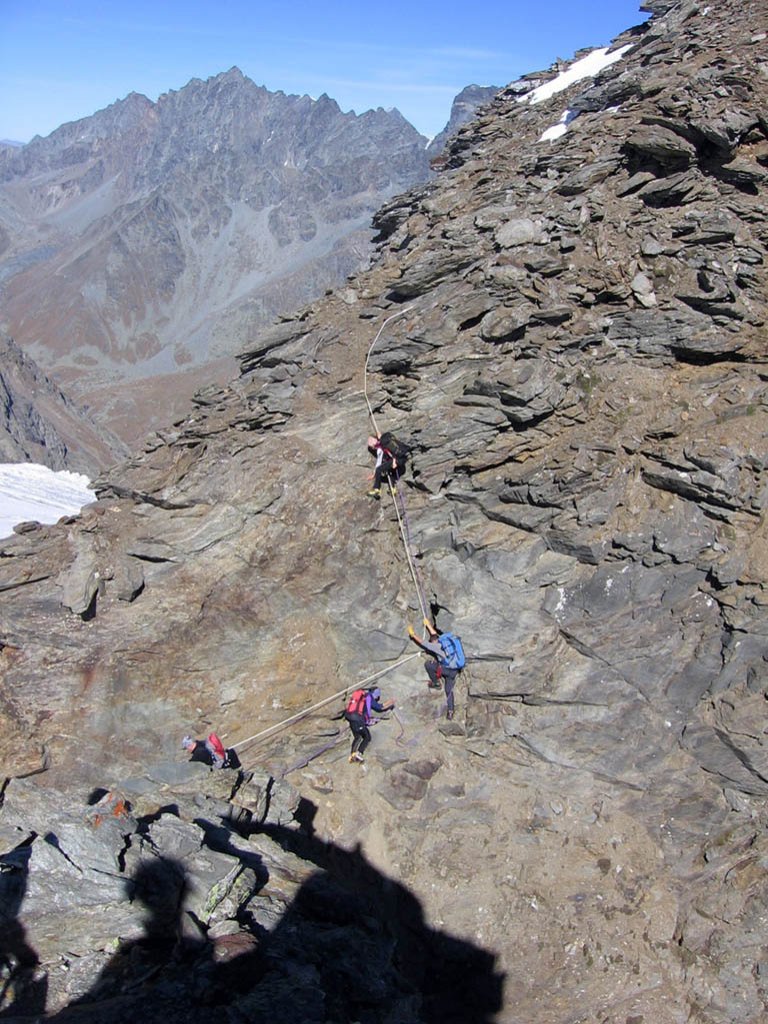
x: 165, y: 966
x: 361, y: 942
x: 352, y: 946
x: 21, y: 982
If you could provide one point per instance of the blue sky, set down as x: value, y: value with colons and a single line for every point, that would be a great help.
x: 61, y: 60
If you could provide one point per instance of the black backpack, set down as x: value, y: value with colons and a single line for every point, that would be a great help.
x: 398, y: 448
x: 232, y: 760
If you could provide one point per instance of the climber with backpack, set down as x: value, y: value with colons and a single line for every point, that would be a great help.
x: 446, y: 662
x: 391, y: 456
x: 359, y: 713
x: 210, y: 751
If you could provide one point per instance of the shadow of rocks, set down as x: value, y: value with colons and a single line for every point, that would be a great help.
x: 20, y: 982
x: 352, y: 946
x: 385, y: 962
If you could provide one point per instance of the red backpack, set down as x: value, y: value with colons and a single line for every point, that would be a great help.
x: 356, y: 703
x: 216, y: 747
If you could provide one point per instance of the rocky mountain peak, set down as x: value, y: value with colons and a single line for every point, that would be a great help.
x: 234, y: 74
x: 463, y: 109
x: 568, y: 328
x: 69, y: 144
x: 660, y: 7
x: 166, y: 231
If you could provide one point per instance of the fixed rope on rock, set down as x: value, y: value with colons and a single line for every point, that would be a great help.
x: 273, y: 729
x: 400, y: 312
x: 406, y: 531
x: 394, y: 488
x: 402, y: 519
x: 385, y: 443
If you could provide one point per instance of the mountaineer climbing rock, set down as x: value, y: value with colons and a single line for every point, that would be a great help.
x: 358, y: 713
x: 446, y: 662
x: 391, y: 457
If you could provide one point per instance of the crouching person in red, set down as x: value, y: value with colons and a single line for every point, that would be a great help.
x: 210, y: 751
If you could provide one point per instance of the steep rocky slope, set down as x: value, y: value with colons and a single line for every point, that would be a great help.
x: 571, y: 331
x: 463, y: 109
x: 38, y: 423
x: 143, y: 241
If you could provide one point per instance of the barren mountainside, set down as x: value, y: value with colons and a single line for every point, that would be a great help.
x: 138, y: 245
x: 569, y: 328
x: 38, y: 423
x: 463, y: 109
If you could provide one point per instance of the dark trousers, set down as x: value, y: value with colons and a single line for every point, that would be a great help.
x: 361, y: 734
x: 384, y: 470
x: 447, y: 676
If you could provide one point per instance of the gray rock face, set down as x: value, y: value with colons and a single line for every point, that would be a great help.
x: 152, y: 900
x: 584, y: 504
x: 463, y: 109
x: 38, y: 423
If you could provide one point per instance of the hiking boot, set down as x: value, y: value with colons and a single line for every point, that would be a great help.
x: 355, y: 757
x: 375, y: 492
x: 449, y: 715
x: 434, y: 686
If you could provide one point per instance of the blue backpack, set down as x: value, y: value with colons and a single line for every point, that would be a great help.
x: 452, y: 650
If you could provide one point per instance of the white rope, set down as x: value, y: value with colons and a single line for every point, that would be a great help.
x: 272, y: 729
x: 392, y: 489
x: 414, y: 577
x: 394, y: 316
x: 315, y: 707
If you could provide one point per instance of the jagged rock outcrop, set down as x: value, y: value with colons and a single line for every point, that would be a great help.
x: 152, y: 895
x: 140, y: 244
x: 571, y: 332
x: 463, y: 109
x: 40, y: 424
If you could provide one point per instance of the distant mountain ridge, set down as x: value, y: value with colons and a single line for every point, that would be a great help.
x: 152, y: 238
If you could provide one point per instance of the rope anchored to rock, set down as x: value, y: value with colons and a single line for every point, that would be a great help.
x: 394, y: 489
x: 398, y: 500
